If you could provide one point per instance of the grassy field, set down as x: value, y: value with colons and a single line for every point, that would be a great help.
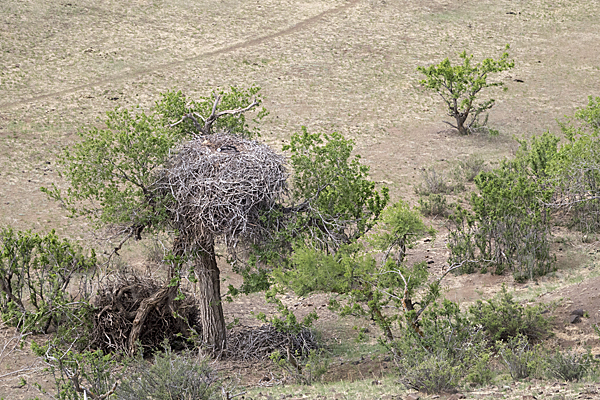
x: 338, y: 65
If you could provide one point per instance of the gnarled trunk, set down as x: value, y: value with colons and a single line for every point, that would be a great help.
x: 209, y: 296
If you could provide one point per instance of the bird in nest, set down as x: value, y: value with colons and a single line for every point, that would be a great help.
x: 228, y: 148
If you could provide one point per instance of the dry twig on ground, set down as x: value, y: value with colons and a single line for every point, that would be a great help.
x: 256, y: 343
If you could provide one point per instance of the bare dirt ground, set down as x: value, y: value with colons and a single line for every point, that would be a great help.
x: 346, y: 66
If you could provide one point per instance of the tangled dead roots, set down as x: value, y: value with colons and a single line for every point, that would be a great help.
x: 118, y: 302
x: 256, y: 343
x: 220, y: 184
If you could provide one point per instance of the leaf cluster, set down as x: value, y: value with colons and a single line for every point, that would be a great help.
x: 338, y: 203
x: 503, y: 318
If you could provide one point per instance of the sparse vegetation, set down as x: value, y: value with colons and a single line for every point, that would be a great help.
x: 534, y: 217
x: 171, y: 376
x: 434, y: 205
x: 435, y: 182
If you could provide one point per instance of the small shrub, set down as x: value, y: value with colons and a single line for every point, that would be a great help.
x: 80, y: 375
x: 436, y: 183
x: 503, y: 318
x: 467, y: 170
x: 570, y: 366
x: 434, y: 205
x: 521, y: 359
x: 171, y: 377
x: 303, y: 369
x: 438, y: 354
x: 481, y: 374
x: 35, y: 276
x: 509, y: 225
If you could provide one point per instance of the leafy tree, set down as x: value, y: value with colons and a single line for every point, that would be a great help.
x: 333, y: 197
x: 460, y: 86
x: 367, y: 285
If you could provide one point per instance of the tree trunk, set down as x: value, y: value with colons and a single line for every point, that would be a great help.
x: 460, y: 123
x: 209, y: 296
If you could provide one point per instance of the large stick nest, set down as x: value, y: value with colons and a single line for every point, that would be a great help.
x: 220, y: 185
x: 117, y: 303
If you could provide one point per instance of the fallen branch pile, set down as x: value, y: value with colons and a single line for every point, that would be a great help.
x: 124, y: 298
x: 256, y: 343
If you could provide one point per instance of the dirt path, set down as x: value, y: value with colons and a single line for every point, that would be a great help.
x: 143, y: 71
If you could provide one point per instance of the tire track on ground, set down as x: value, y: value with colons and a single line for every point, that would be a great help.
x: 242, y: 45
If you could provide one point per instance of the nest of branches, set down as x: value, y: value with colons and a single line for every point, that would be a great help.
x: 256, y: 343
x: 118, y: 303
x: 221, y: 184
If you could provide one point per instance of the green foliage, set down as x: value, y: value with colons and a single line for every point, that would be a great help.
x: 445, y: 350
x: 364, y: 286
x: 521, y: 359
x: 481, y: 373
x: 399, y: 228
x: 510, y: 222
x: 171, y: 377
x: 35, y: 276
x: 304, y: 370
x: 81, y: 375
x: 339, y: 203
x: 287, y: 322
x: 576, y: 167
x: 174, y: 105
x: 460, y: 86
x: 502, y: 318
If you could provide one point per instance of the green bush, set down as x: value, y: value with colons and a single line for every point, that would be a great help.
x: 36, y: 272
x: 575, y: 168
x: 303, y: 369
x: 521, y: 359
x: 502, y: 318
x: 509, y: 226
x: 80, y: 375
x: 171, y: 377
x: 441, y: 352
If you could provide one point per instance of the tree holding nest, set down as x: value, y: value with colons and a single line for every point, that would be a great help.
x: 166, y: 170
x: 130, y: 177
